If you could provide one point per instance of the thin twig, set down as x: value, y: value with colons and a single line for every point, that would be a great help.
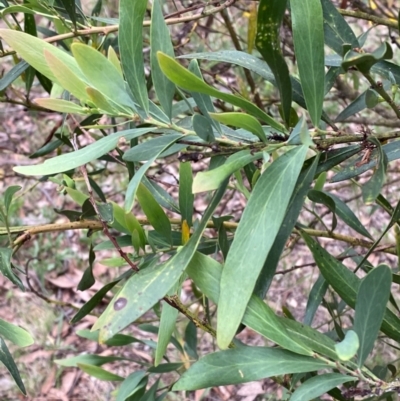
x: 392, y: 23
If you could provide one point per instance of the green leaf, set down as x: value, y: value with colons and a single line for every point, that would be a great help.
x: 310, y: 337
x: 269, y: 20
x: 203, y: 128
x: 69, y: 6
x: 317, y: 293
x: 321, y: 197
x: 149, y: 285
x: 94, y: 301
x: 261, y: 318
x: 371, y: 98
x: 308, y: 38
x: 244, y: 364
x: 354, y: 107
x: 9, y: 77
x: 160, y: 41
x: 130, y: 385
x: 150, y: 148
x: 88, y: 359
x: 32, y: 51
x: 100, y: 101
x: 209, y: 180
x: 78, y: 158
x: 347, y: 215
x: 8, y: 196
x: 88, y: 279
x: 167, y: 326
x: 186, y: 80
x: 364, y: 61
x: 6, y: 268
x: 372, y: 298
x: 241, y: 120
x: 258, y: 227
x: 347, y: 348
x: 154, y: 212
x: 15, y: 334
x: 66, y: 77
x: 113, y: 57
x: 8, y: 361
x: 296, y: 203
x: 62, y: 106
x: 161, y: 195
x: 203, y: 102
x: 206, y: 274
x: 372, y: 188
x: 134, y: 183
x: 337, y: 31
x: 255, y: 65
x: 130, y: 40
x: 346, y: 284
x: 166, y: 367
x: 102, y: 75
x: 99, y: 373
x: 319, y: 385
x: 167, y: 141
x: 186, y: 197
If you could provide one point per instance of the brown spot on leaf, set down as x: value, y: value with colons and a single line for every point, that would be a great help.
x: 120, y: 303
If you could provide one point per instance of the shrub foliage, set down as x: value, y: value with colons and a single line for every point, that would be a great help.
x: 132, y: 107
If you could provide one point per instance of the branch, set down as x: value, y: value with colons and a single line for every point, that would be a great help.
x: 392, y: 23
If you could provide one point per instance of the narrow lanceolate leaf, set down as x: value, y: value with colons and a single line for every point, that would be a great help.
x: 308, y: 37
x: 347, y: 284
x: 296, y: 203
x: 314, y: 299
x: 372, y: 188
x: 270, y: 15
x: 150, y: 148
x: 146, y: 287
x: 167, y: 326
x: 8, y: 361
x: 203, y: 102
x: 319, y: 385
x: 31, y: 50
x: 82, y: 156
x: 160, y: 41
x: 372, y: 299
x: 348, y: 347
x: 258, y: 227
x: 209, y: 180
x: 190, y: 82
x: 99, y: 373
x: 130, y: 39
x: 186, y: 197
x: 154, y: 212
x: 294, y: 336
x: 130, y: 385
x: 337, y: 30
x: 15, y: 334
x: 347, y: 215
x: 62, y: 106
x: 244, y: 364
x: 6, y: 268
x: 66, y: 77
x: 241, y: 120
x: 102, y: 75
x: 167, y: 140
